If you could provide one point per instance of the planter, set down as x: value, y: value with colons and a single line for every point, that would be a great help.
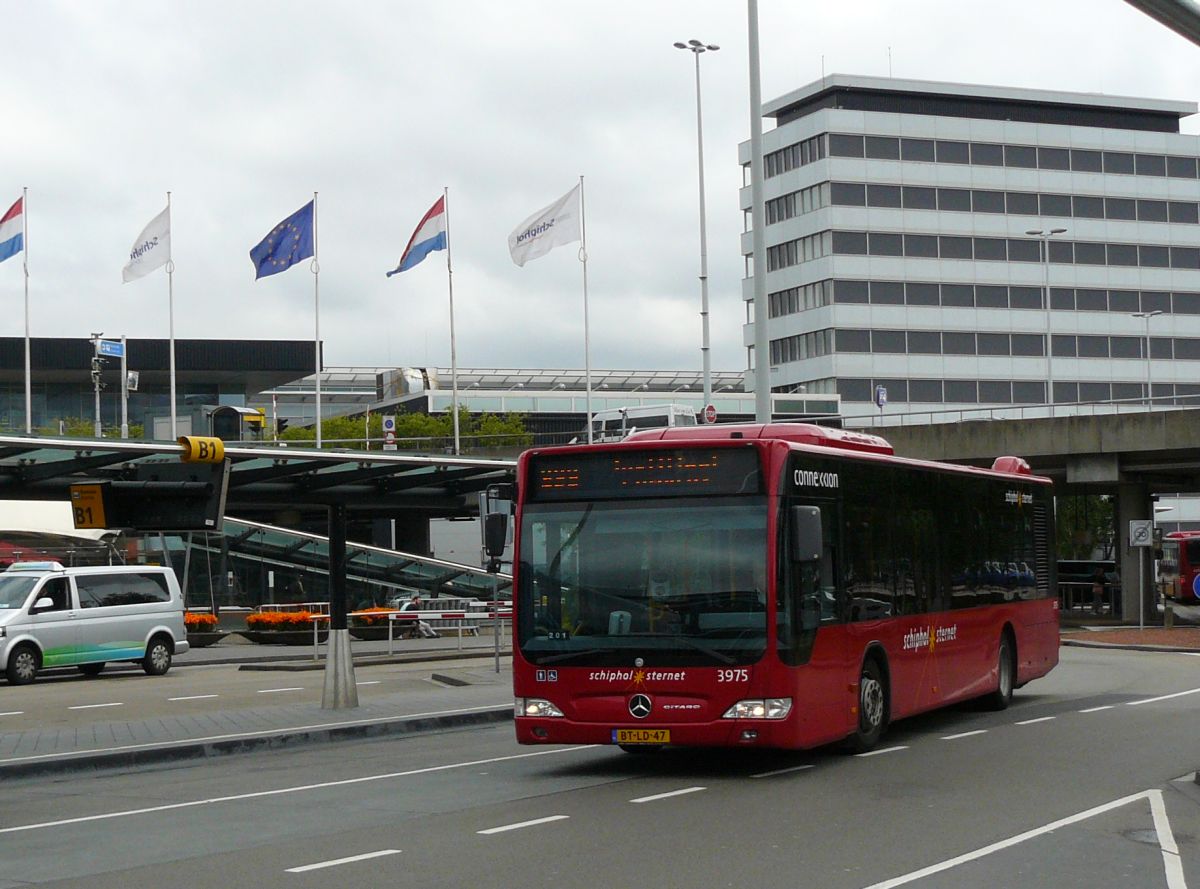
x: 376, y: 633
x: 284, y: 637
x: 201, y: 639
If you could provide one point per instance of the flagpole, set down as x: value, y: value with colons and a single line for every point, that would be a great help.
x: 453, y: 350
x: 587, y: 357
x: 25, y: 261
x: 316, y: 270
x: 171, y: 321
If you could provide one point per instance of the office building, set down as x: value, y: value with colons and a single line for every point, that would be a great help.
x: 907, y: 227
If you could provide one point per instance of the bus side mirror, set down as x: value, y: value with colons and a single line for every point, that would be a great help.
x: 495, y: 533
x: 805, y: 542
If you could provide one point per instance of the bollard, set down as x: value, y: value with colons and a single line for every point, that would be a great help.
x: 1168, y: 613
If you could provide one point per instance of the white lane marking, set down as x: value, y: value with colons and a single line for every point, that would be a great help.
x: 670, y: 793
x: 782, y: 771
x: 1097, y: 709
x: 336, y: 861
x: 233, y: 736
x: 981, y: 731
x: 1166, y: 841
x: 878, y: 752
x: 267, y: 691
x: 95, y: 706
x: 1011, y: 841
x: 521, y: 824
x: 12, y: 713
x: 370, y: 682
x: 1032, y: 721
x: 193, y: 697
x: 280, y: 791
x: 1178, y: 694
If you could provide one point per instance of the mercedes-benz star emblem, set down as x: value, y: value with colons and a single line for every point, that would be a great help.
x: 639, y: 706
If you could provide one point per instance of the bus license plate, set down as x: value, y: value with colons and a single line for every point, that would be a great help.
x: 641, y: 736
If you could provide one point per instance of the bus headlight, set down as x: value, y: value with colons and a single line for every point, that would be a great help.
x: 760, y: 708
x: 536, y: 707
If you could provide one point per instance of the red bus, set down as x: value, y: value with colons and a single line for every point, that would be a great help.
x: 780, y: 585
x: 1179, y: 567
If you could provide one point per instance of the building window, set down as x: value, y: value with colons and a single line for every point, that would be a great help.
x: 888, y: 341
x: 987, y: 201
x: 1054, y: 158
x: 918, y: 293
x: 992, y: 343
x: 917, y: 150
x: 1118, y: 162
x: 887, y: 293
x: 987, y: 154
x: 883, y: 195
x: 958, y: 295
x: 953, y: 152
x: 1150, y: 165
x: 1088, y: 207
x: 990, y: 296
x: 991, y: 248
x: 954, y: 199
x: 921, y: 245
x: 925, y: 342
x: 995, y: 392
x: 850, y: 242
x: 886, y: 244
x: 883, y: 147
x: 952, y: 247
x: 961, y: 391
x: 1055, y: 205
x: 1151, y: 256
x: 1020, y: 156
x: 845, y: 146
x: 849, y: 340
x: 850, y: 291
x: 848, y: 194
x: 1152, y: 211
x: 1181, y: 167
x: 1021, y: 202
x: 1087, y: 300
x: 918, y: 198
x: 958, y: 343
x: 1092, y: 346
x: 1024, y: 297
x: 1083, y: 161
x: 1028, y: 344
x: 1027, y: 392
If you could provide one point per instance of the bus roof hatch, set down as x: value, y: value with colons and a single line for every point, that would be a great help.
x: 800, y: 433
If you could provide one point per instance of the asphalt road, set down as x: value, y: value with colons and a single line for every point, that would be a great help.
x: 1085, y: 781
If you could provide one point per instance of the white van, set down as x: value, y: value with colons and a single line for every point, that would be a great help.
x: 51, y: 616
x: 614, y: 424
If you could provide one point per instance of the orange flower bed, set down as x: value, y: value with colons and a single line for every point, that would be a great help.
x: 201, y: 621
x: 280, y: 620
x: 372, y: 617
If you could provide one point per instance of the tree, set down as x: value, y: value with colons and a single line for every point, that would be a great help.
x: 418, y: 432
x: 1084, y: 524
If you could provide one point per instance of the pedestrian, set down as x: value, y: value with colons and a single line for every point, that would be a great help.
x: 421, y: 627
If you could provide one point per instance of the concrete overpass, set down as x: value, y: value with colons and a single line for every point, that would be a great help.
x: 1132, y: 456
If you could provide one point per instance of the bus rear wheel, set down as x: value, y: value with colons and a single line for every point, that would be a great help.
x: 872, y: 708
x: 1006, y: 669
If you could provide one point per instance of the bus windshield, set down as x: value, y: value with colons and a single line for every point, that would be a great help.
x: 676, y: 582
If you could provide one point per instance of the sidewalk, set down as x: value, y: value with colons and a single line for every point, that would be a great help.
x: 211, y: 703
x: 1110, y: 635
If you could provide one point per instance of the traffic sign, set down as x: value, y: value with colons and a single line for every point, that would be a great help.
x: 710, y: 413
x: 111, y: 348
x: 1141, y: 532
x: 87, y: 506
x: 881, y: 396
x: 389, y: 424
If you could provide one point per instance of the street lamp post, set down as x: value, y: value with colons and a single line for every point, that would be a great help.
x: 696, y: 48
x: 1045, y: 237
x: 1147, y: 316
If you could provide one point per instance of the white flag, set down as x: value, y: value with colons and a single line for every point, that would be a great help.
x: 151, y: 249
x: 546, y: 229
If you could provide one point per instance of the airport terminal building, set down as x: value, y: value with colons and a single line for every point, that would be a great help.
x: 907, y: 226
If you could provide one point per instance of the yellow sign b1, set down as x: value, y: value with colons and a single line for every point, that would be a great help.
x: 200, y: 449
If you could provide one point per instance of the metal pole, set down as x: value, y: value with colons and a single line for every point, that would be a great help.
x: 453, y: 348
x: 25, y: 261
x: 1049, y: 325
x: 171, y: 325
x: 124, y: 390
x: 762, y: 343
x: 1141, y: 587
x: 316, y: 270
x: 704, y: 348
x: 96, y: 381
x: 587, y: 348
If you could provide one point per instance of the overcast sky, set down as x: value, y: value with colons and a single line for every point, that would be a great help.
x: 243, y: 109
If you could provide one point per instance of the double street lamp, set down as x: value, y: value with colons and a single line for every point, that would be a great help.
x: 1147, y: 316
x: 1045, y: 236
x: 698, y: 48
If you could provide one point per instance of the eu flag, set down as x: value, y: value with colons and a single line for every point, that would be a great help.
x: 287, y: 244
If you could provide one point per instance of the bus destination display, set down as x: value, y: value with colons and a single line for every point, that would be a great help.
x: 656, y: 473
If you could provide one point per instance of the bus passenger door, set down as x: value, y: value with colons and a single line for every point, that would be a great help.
x: 809, y: 614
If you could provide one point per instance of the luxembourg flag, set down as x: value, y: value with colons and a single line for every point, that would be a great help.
x: 12, y: 230
x: 429, y: 236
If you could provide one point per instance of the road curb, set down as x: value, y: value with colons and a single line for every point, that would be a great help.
x: 269, y: 740
x: 364, y: 661
x: 1122, y: 646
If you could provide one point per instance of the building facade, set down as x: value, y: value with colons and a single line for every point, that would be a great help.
x: 912, y: 229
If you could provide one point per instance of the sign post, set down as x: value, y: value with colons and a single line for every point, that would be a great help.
x: 389, y: 432
x: 1141, y: 535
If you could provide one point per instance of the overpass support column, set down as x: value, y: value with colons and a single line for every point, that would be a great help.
x: 1133, y: 502
x: 341, y: 692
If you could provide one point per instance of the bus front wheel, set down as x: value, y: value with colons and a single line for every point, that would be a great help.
x: 872, y: 708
